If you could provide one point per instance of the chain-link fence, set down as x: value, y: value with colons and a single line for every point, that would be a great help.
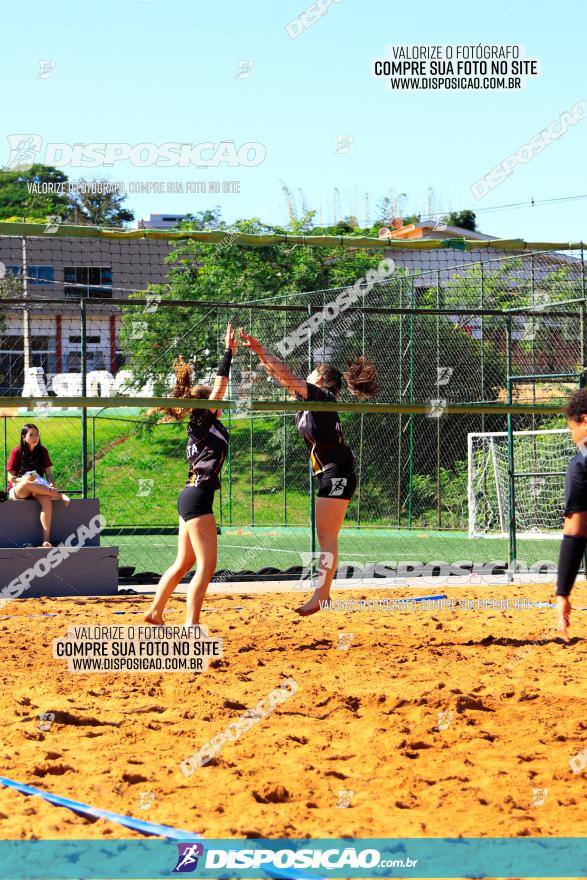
x: 446, y: 345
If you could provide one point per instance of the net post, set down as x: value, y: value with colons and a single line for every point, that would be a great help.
x: 84, y: 391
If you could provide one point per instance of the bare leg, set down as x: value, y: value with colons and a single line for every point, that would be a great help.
x: 204, y: 538
x: 330, y: 513
x: 46, y: 517
x: 32, y: 490
x: 45, y: 497
x: 170, y: 579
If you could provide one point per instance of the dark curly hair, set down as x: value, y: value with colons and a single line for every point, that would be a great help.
x: 577, y: 405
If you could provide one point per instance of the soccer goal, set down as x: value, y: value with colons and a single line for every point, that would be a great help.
x: 540, y: 463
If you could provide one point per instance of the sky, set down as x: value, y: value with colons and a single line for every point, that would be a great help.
x: 155, y: 72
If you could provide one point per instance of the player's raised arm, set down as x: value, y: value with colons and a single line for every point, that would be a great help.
x: 275, y: 367
x: 221, y: 380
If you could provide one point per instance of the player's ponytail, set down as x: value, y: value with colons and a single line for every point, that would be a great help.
x: 361, y: 378
x: 184, y: 389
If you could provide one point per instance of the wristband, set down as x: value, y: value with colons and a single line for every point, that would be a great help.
x: 224, y: 366
x: 569, y: 563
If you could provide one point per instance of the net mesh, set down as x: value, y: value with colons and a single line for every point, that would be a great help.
x: 105, y: 321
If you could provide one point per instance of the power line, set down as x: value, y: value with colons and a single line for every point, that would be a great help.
x: 532, y: 203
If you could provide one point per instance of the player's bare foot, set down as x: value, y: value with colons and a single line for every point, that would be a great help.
x: 153, y: 617
x: 312, y: 606
x: 563, y: 607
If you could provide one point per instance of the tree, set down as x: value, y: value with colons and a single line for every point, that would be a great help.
x: 92, y: 205
x: 229, y: 272
x: 210, y: 218
x: 465, y: 219
x: 18, y: 197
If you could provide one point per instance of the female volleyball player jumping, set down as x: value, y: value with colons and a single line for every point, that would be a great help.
x: 197, y: 540
x: 575, y: 523
x: 29, y: 469
x: 333, y: 462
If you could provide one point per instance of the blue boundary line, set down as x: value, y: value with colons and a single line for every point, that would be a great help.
x: 140, y: 825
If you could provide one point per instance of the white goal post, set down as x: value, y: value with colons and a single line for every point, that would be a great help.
x: 540, y: 463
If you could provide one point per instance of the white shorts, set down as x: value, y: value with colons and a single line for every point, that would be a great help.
x: 13, y: 497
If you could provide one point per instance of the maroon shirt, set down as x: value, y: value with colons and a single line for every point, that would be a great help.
x: 18, y: 464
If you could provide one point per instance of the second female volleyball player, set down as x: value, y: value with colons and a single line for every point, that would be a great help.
x: 197, y: 540
x: 332, y: 460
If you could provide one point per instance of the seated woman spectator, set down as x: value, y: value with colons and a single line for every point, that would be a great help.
x: 29, y: 469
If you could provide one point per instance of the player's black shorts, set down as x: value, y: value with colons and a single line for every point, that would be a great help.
x: 330, y: 485
x: 195, y: 501
x: 576, y: 485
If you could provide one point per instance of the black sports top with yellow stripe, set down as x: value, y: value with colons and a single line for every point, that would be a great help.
x: 206, y: 449
x: 322, y: 433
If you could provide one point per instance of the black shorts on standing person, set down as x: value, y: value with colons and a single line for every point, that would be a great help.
x: 576, y: 484
x: 574, y: 542
x: 573, y: 546
x: 333, y: 462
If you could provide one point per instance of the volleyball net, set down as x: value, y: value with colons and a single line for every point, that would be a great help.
x: 478, y: 348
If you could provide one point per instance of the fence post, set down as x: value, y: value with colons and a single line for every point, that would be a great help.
x: 93, y: 456
x: 26, y: 318
x: 84, y: 390
x: 4, y: 459
x: 482, y: 329
x: 511, y: 462
x: 400, y: 396
x: 229, y: 468
x: 582, y: 338
x: 438, y: 420
x: 284, y: 449
x: 582, y: 343
x: 251, y: 443
x: 411, y: 416
x: 360, y: 474
x: 311, y: 470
